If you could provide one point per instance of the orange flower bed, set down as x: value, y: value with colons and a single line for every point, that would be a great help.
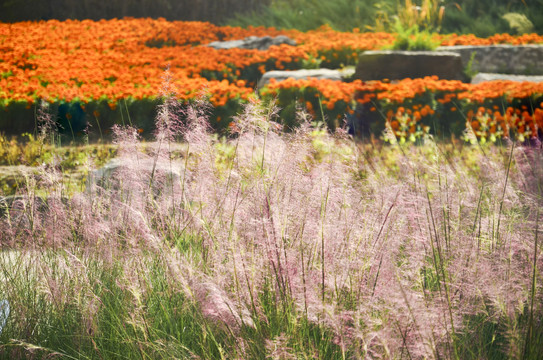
x: 90, y: 60
x: 408, y: 108
x: 108, y: 61
x: 470, y: 39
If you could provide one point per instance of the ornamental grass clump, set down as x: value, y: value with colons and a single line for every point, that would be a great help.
x: 279, y: 245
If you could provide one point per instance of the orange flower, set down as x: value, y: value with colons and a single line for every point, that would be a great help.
x: 390, y: 113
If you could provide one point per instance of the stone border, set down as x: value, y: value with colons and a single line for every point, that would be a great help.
x: 502, y: 59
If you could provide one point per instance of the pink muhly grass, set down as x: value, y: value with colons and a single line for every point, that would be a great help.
x: 168, y: 121
x: 391, y: 252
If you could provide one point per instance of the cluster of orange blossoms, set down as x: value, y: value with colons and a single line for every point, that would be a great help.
x: 119, y: 59
x: 493, y: 109
x: 88, y: 60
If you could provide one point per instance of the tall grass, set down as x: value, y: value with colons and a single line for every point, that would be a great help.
x: 273, y: 245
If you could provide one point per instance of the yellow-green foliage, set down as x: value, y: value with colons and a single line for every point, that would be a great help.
x: 428, y: 15
x: 9, y: 151
x: 519, y: 22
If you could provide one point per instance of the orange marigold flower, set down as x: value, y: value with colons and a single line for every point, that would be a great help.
x: 390, y: 113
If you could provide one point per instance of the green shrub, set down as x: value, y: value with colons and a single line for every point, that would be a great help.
x: 413, y: 39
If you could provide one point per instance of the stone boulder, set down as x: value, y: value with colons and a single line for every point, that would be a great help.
x: 396, y: 65
x: 253, y: 42
x: 482, y: 77
x: 507, y: 59
x: 21, y: 204
x: 117, y: 175
x: 330, y: 74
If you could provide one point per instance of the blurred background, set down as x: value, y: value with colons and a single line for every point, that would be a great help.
x: 480, y: 17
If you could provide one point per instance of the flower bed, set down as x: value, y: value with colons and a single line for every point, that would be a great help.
x: 412, y: 108
x: 95, y: 71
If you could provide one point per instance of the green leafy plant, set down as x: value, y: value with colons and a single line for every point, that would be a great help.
x: 413, y: 39
x: 469, y: 70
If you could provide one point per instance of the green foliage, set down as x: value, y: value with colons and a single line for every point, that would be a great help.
x: 428, y: 15
x: 519, y: 22
x: 80, y: 122
x: 32, y: 152
x: 469, y: 71
x: 203, y: 10
x: 342, y: 15
x: 482, y: 18
x: 413, y: 39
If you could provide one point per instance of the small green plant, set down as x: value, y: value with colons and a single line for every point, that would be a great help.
x: 469, y: 71
x: 311, y: 62
x: 413, y: 39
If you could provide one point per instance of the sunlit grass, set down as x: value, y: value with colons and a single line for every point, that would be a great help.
x: 274, y: 245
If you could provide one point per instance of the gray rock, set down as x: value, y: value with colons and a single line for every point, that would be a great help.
x: 135, y: 177
x: 253, y: 42
x: 395, y: 65
x: 280, y: 75
x: 19, y: 204
x: 507, y: 59
x: 4, y: 313
x: 482, y: 77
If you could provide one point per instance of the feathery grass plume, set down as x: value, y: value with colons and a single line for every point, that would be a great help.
x: 256, y: 117
x: 168, y: 122
x: 47, y: 125
x: 529, y: 162
x: 281, y: 245
x: 196, y: 127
